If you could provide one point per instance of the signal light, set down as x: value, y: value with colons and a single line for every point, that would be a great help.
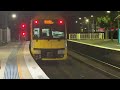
x: 23, y: 33
x: 60, y: 21
x: 23, y: 25
x: 36, y: 21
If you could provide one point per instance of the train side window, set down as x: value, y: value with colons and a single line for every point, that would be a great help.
x: 36, y: 33
x: 45, y: 32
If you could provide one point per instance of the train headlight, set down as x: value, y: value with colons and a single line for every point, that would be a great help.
x: 60, y: 51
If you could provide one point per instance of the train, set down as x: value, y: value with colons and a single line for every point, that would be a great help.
x: 48, y: 38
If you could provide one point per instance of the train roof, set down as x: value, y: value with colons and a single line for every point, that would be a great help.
x: 48, y: 17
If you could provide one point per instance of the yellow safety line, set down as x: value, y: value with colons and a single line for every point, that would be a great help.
x: 20, y: 71
x: 19, y: 67
x: 95, y: 45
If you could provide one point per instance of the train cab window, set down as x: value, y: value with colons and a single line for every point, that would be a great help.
x: 36, y: 33
x: 45, y: 32
x: 57, y: 34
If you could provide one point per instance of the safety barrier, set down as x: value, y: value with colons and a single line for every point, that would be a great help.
x: 77, y: 36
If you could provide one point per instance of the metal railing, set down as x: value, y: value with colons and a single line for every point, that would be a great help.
x: 78, y: 36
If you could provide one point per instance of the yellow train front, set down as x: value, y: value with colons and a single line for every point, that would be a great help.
x: 48, y: 39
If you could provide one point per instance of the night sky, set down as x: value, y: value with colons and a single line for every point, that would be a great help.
x: 25, y: 17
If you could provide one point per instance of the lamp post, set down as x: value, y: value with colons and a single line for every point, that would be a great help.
x: 108, y: 11
x: 87, y: 21
x: 106, y: 31
x: 76, y: 21
x: 80, y: 18
x: 92, y: 23
x: 13, y: 16
x: 81, y: 30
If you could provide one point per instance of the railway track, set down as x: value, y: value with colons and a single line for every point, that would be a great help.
x: 105, y: 68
